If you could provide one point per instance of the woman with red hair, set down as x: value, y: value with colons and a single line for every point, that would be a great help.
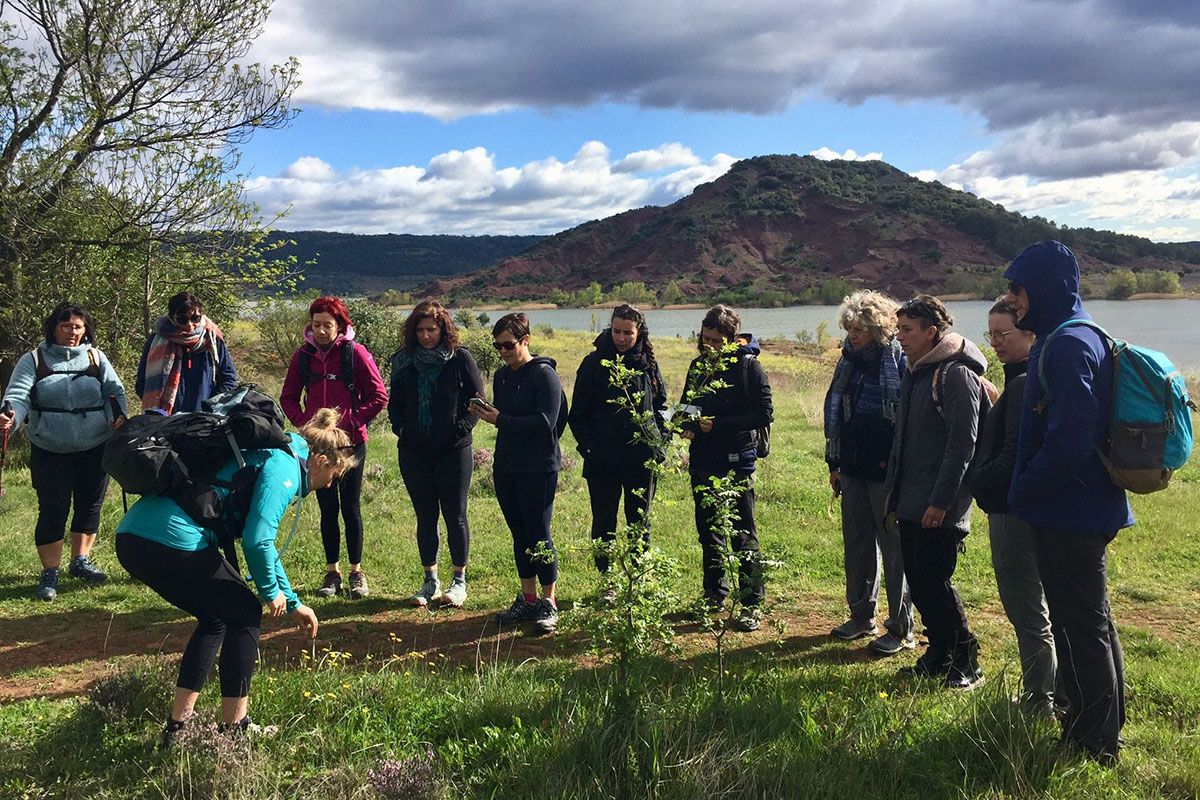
x: 331, y: 370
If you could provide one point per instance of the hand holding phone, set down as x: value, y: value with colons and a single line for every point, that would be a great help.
x: 479, y: 402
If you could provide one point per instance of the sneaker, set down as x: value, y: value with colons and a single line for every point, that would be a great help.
x: 890, y: 644
x: 240, y: 728
x: 748, y: 620
x: 544, y: 616
x: 332, y: 584
x: 358, y: 584
x: 520, y: 610
x: 47, y: 588
x: 172, y: 727
x: 964, y: 672
x: 82, y: 567
x: 713, y: 604
x: 935, y: 663
x: 853, y: 629
x: 430, y: 590
x: 456, y: 595
x: 608, y: 598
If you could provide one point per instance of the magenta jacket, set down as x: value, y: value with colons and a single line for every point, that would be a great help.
x: 325, y: 392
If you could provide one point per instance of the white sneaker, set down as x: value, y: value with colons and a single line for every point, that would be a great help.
x: 430, y: 590
x: 456, y: 595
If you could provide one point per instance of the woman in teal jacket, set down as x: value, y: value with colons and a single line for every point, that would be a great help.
x: 161, y: 546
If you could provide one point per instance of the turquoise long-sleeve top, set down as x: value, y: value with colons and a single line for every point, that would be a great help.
x: 160, y: 519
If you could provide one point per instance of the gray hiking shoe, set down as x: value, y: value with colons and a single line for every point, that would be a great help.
x: 520, y: 610
x: 544, y: 616
x: 332, y: 584
x: 47, y: 588
x: 358, y: 584
x: 430, y: 590
x: 890, y: 644
x: 456, y: 595
x: 83, y: 568
x: 748, y: 620
x: 853, y: 629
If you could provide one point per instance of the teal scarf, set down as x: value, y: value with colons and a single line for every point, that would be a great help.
x: 428, y: 364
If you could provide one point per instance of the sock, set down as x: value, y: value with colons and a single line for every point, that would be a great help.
x: 460, y: 576
x: 529, y: 598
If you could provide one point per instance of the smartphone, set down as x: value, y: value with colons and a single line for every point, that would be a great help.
x: 475, y: 401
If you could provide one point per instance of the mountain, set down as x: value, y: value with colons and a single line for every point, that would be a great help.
x: 783, y: 226
x: 349, y: 263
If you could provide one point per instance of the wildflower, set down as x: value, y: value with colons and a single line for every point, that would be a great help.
x: 883, y: 695
x: 331, y: 695
x: 308, y: 694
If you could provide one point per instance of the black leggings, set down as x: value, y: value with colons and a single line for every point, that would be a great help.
x: 527, y: 502
x: 205, y: 585
x: 439, y: 480
x: 605, y: 496
x: 60, y: 477
x: 344, y: 496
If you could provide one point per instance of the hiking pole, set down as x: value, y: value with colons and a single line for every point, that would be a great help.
x: 6, y: 411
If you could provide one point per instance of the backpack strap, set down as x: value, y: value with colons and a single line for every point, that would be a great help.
x: 42, y: 370
x: 1040, y: 407
x: 347, y: 355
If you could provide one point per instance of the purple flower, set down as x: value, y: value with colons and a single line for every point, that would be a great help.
x: 410, y: 778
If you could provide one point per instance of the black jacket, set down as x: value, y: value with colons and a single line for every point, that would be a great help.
x: 736, y: 410
x: 452, y: 417
x: 996, y: 451
x: 530, y: 401
x: 605, y: 431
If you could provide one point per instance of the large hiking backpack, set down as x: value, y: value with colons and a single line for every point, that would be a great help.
x: 346, y: 375
x: 42, y: 370
x: 1150, y: 426
x: 760, y: 436
x: 178, y: 456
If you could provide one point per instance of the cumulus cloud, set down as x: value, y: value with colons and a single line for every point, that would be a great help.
x: 466, y: 192
x: 825, y: 154
x: 1076, y: 88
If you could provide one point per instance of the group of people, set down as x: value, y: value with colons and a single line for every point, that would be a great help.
x: 914, y: 433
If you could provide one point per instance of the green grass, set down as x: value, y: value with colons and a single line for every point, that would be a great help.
x: 508, y: 715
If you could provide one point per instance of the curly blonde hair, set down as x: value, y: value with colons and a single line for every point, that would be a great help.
x: 872, y: 311
x: 325, y: 438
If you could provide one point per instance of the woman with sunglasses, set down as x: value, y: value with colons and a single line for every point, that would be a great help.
x: 529, y: 414
x: 331, y: 370
x: 433, y: 381
x: 185, y: 360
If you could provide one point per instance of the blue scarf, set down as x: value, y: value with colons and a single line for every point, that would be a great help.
x: 428, y: 364
x: 850, y: 393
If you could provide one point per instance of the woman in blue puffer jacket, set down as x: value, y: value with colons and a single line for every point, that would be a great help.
x: 68, y: 395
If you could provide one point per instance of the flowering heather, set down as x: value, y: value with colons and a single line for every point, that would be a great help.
x: 482, y: 457
x: 410, y: 778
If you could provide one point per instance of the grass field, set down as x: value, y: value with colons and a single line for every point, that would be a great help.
x: 442, y: 704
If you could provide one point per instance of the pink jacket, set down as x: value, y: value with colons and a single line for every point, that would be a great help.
x: 326, y: 392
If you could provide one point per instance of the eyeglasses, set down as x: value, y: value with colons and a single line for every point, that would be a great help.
x: 997, y: 336
x: 194, y: 319
x: 507, y: 345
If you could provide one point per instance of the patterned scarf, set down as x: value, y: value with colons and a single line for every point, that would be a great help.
x: 850, y: 393
x: 164, y: 359
x: 428, y: 364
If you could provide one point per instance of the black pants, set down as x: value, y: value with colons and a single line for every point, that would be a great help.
x: 930, y: 557
x: 605, y: 496
x: 344, y: 496
x: 59, y: 478
x: 745, y: 542
x: 527, y: 502
x: 440, y: 480
x: 1091, y: 667
x: 205, y: 585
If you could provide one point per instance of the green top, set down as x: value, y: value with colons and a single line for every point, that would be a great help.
x: 160, y: 519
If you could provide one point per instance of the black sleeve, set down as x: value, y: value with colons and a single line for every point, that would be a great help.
x: 996, y: 472
x: 472, y: 385
x: 660, y: 399
x: 759, y: 410
x: 581, y: 416
x: 396, y: 401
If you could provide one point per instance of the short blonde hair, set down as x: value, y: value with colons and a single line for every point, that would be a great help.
x: 872, y: 311
x: 325, y: 438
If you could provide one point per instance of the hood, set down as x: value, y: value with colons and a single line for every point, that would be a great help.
x: 753, y: 348
x: 544, y: 360
x: 347, y: 336
x: 953, y: 347
x: 1049, y: 274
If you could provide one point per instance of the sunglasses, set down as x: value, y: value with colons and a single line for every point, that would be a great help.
x: 194, y: 319
x: 506, y: 346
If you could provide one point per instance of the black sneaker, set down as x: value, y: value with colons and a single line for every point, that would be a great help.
x: 935, y: 663
x: 544, y: 616
x: 82, y: 567
x: 240, y: 728
x: 47, y: 588
x: 332, y: 585
x: 520, y: 610
x: 964, y: 672
x: 172, y: 727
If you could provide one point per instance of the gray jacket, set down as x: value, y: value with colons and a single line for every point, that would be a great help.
x: 933, y: 446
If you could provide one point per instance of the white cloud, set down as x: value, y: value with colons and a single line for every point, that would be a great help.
x: 665, y: 156
x: 465, y: 192
x: 825, y: 154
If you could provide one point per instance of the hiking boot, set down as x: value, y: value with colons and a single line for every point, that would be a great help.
x: 520, y: 610
x: 608, y: 598
x: 748, y: 620
x: 82, y: 567
x: 332, y: 585
x: 358, y: 584
x: 933, y: 664
x: 890, y: 644
x: 456, y: 595
x: 853, y: 629
x: 240, y: 728
x: 544, y: 616
x: 964, y: 672
x: 172, y: 727
x: 47, y: 588
x: 430, y: 590
x: 714, y: 604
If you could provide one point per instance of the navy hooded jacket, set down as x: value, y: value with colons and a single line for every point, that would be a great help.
x: 1059, y: 480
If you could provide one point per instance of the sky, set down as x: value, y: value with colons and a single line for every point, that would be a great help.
x: 532, y: 116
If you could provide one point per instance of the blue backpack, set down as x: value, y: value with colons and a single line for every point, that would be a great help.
x: 1150, y: 429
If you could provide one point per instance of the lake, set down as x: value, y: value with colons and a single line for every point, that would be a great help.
x: 1167, y: 325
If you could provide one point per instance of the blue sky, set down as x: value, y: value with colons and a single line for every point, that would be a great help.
x: 535, y: 115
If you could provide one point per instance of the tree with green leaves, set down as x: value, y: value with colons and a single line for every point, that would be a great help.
x: 120, y: 122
